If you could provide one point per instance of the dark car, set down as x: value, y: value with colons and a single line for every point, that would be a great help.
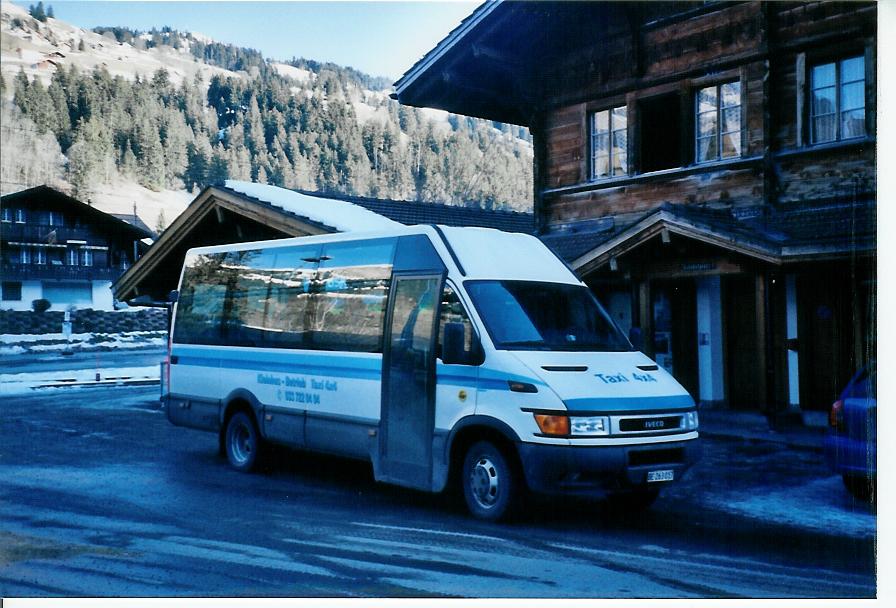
x: 851, y: 443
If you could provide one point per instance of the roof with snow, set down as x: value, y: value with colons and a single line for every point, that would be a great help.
x: 339, y: 215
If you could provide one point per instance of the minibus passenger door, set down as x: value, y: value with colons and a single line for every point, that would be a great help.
x: 408, y: 406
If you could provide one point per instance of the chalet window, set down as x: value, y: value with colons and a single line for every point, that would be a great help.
x: 837, y: 109
x: 72, y: 257
x: 718, y: 123
x: 25, y: 255
x: 12, y: 291
x: 40, y: 255
x: 6, y: 214
x: 20, y: 216
x: 54, y: 218
x: 609, y: 143
x: 86, y: 257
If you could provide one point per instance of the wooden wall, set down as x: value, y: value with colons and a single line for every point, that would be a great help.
x: 767, y: 47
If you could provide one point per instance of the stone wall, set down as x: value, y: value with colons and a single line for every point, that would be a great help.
x: 83, y: 321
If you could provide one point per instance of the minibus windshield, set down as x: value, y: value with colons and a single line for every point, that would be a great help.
x: 529, y: 315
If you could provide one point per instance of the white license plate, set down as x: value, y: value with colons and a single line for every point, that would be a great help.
x: 667, y: 475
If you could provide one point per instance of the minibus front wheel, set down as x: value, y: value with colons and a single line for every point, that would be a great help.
x: 491, y: 485
x: 242, y: 442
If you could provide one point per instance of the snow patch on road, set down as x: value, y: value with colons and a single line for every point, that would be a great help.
x: 808, y: 506
x: 18, y: 384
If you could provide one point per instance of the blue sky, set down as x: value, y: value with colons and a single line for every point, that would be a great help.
x: 379, y: 38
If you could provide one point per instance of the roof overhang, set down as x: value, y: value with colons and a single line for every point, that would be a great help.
x: 665, y: 221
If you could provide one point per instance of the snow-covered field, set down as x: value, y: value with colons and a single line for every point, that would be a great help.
x: 19, y: 344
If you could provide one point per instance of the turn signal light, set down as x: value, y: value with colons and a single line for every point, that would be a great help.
x: 552, y: 425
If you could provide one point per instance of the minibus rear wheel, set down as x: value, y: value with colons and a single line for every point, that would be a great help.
x: 490, y: 483
x: 242, y: 442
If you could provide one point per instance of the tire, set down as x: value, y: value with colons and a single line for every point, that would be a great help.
x: 635, y: 501
x: 242, y: 442
x: 861, y: 487
x: 491, y: 485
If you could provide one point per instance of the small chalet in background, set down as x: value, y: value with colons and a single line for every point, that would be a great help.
x: 707, y: 167
x: 55, y: 247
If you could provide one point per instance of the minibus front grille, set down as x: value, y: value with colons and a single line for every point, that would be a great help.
x: 649, y: 424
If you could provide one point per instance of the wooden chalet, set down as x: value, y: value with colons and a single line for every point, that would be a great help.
x: 708, y: 168
x: 55, y: 247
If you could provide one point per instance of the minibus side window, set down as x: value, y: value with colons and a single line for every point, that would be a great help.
x: 452, y: 311
x: 247, y: 275
x: 289, y: 299
x: 200, y: 309
x: 349, y: 299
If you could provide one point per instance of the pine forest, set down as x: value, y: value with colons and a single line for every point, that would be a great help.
x: 86, y: 128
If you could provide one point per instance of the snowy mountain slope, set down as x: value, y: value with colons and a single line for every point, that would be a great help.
x: 29, y: 45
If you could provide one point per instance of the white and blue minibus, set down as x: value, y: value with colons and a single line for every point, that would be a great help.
x: 442, y: 355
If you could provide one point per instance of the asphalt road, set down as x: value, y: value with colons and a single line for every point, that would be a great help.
x: 101, y: 496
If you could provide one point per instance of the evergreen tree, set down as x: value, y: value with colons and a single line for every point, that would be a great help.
x: 161, y: 223
x: 50, y: 13
x: 38, y: 12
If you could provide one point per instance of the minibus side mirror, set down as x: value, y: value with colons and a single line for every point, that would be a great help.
x: 636, y: 337
x: 172, y: 296
x: 453, y: 344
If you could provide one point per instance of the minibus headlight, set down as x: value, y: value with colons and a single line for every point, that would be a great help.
x: 552, y: 425
x: 691, y: 421
x: 590, y: 425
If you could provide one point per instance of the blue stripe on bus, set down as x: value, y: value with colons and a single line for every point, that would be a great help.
x: 342, y: 366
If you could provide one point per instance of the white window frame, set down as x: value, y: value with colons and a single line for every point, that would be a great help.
x: 838, y: 110
x: 613, y: 131
x: 718, y: 111
x: 86, y: 257
x: 73, y: 257
x: 40, y: 255
x: 6, y: 215
x: 20, y: 216
x: 25, y: 255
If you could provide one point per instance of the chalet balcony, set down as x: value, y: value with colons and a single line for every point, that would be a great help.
x: 38, y: 233
x: 59, y: 272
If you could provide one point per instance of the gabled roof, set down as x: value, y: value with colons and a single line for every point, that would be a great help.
x: 32, y: 196
x: 241, y: 211
x: 134, y: 220
x: 795, y: 233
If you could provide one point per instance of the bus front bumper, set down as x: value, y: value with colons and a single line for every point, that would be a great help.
x: 601, y: 470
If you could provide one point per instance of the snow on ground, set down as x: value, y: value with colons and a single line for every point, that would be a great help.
x: 341, y: 215
x: 120, y: 197
x: 18, y: 384
x: 367, y: 113
x: 17, y: 344
x: 293, y: 72
x: 807, y: 506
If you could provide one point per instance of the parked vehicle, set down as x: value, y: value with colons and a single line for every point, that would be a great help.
x: 851, y: 443
x: 436, y: 353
